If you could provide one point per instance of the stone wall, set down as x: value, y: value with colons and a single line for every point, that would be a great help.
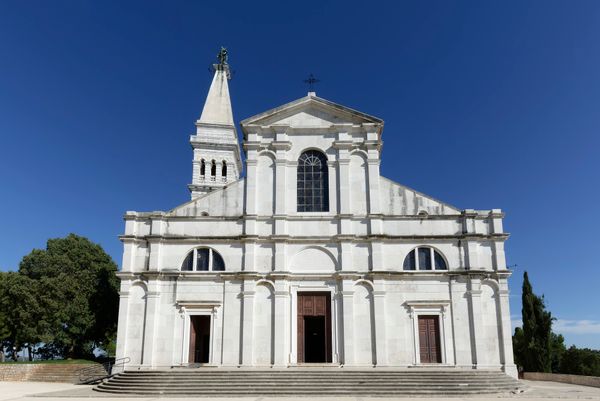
x: 45, y: 372
x: 592, y: 381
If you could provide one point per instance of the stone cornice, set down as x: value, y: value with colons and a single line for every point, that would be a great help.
x: 334, y: 238
x: 131, y: 215
x: 337, y: 275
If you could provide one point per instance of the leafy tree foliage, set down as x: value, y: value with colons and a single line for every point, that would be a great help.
x: 557, y: 351
x: 64, y: 297
x: 581, y: 361
x: 24, y: 322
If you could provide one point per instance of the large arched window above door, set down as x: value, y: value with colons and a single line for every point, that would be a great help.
x: 424, y: 258
x: 203, y: 259
x: 313, y: 182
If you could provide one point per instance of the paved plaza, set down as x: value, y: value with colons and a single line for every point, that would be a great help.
x: 37, y: 391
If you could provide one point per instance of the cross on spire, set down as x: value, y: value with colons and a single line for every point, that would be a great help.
x: 311, y: 81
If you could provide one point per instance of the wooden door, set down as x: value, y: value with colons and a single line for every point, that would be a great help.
x: 429, y: 339
x: 193, y: 336
x: 312, y: 304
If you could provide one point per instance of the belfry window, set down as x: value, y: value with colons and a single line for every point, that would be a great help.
x: 202, y: 167
x: 203, y: 259
x: 213, y: 169
x: 313, y: 182
x: 224, y: 169
x: 426, y: 258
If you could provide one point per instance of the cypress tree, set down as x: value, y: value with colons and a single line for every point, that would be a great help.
x: 535, y: 345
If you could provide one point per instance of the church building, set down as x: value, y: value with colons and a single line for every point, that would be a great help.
x: 310, y: 256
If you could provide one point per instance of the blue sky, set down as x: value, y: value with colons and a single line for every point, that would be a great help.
x: 486, y: 105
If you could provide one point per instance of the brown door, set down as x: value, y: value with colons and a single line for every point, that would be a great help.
x: 314, y: 327
x: 199, y: 339
x: 429, y: 339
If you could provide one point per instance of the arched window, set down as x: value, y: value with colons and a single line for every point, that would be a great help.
x: 313, y: 182
x: 224, y: 169
x: 425, y: 258
x: 202, y: 167
x: 213, y: 169
x: 203, y: 259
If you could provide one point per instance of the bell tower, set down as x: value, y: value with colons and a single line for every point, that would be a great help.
x: 217, y: 160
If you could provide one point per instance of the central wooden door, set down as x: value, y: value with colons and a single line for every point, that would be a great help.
x: 314, y: 327
x: 429, y: 339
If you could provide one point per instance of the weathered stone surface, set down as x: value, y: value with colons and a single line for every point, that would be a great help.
x: 354, y: 251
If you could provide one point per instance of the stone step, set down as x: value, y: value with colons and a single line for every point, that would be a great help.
x: 306, y: 374
x: 301, y: 380
x: 292, y: 382
x: 298, y: 388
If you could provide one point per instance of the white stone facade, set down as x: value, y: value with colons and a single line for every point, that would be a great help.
x: 272, y: 254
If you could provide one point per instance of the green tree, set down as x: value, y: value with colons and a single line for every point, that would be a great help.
x: 23, y: 318
x: 557, y: 351
x: 581, y: 361
x: 533, y: 346
x: 78, y: 294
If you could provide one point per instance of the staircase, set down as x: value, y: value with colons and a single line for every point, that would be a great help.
x: 205, y: 382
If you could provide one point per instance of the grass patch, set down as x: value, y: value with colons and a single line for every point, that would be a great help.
x: 52, y: 361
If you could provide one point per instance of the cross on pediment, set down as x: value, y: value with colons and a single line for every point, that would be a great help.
x: 311, y: 81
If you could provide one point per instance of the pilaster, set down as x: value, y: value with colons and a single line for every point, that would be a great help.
x: 282, y: 322
x: 476, y: 321
x: 280, y: 256
x: 506, y: 330
x: 249, y: 256
x: 121, y: 351
x: 344, y: 181
x: 152, y: 305
x: 251, y: 163
x: 373, y: 172
x: 380, y: 327
x: 247, y: 322
x: 347, y: 298
x: 346, y: 263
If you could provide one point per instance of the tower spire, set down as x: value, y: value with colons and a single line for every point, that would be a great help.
x: 217, y: 159
x: 217, y: 108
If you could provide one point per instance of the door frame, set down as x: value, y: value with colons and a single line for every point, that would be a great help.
x: 426, y: 308
x: 293, y: 357
x: 185, y: 352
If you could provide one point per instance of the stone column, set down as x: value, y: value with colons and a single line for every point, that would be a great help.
x: 249, y: 255
x: 347, y: 296
x: 282, y: 322
x: 507, y: 349
x: 380, y: 329
x: 155, y: 250
x: 280, y: 256
x: 333, y: 187
x: 344, y: 181
x: 281, y: 146
x: 376, y: 255
x: 476, y: 323
x: 373, y: 172
x: 152, y: 317
x: 122, y: 320
x: 247, y: 322
x: 251, y: 183
x: 129, y: 250
x: 346, y: 253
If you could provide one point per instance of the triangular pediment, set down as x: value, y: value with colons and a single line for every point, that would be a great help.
x: 310, y: 112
